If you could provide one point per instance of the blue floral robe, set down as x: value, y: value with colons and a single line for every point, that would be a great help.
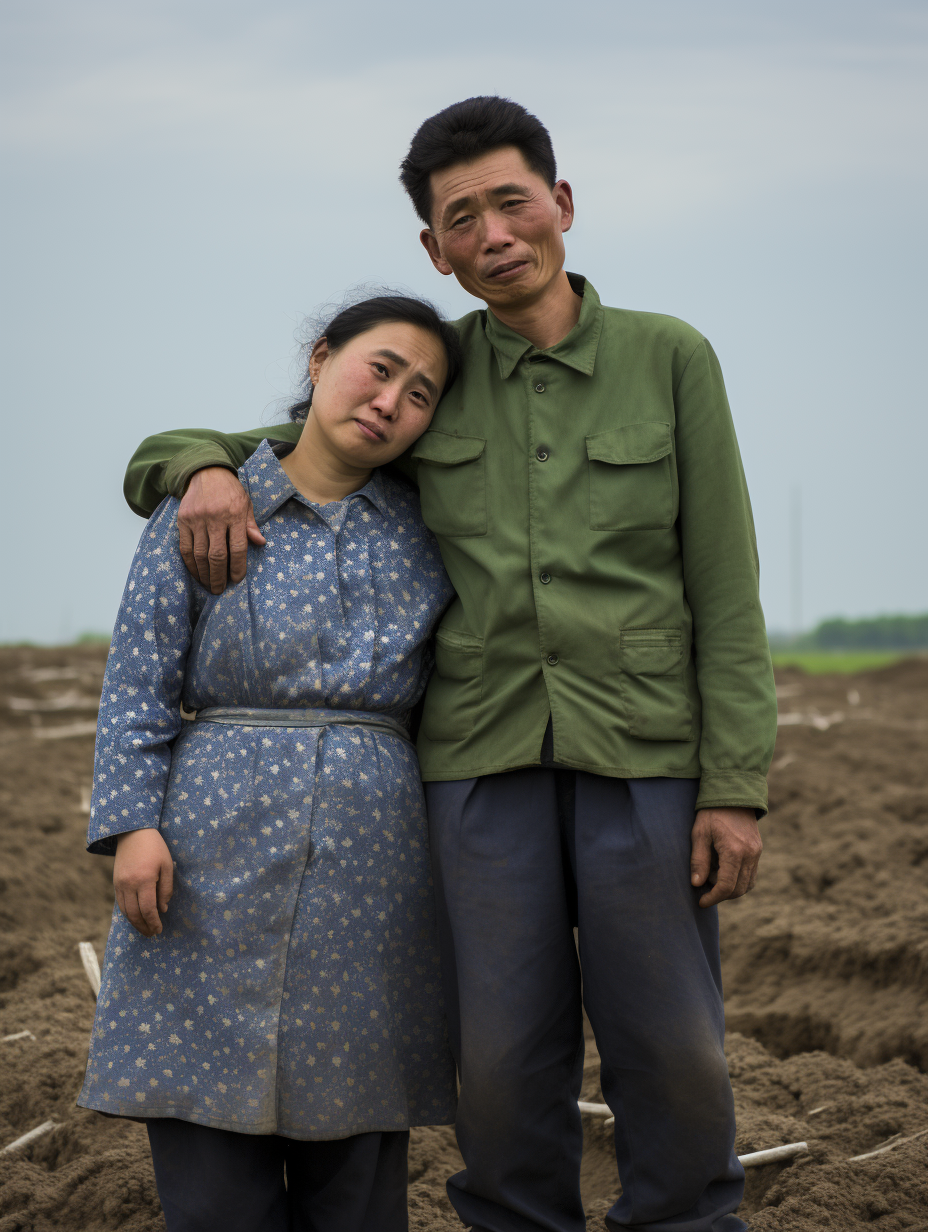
x: 295, y: 988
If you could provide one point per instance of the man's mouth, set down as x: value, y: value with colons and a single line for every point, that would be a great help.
x: 507, y: 269
x: 370, y: 432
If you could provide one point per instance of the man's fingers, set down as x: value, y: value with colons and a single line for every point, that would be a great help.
x: 701, y: 856
x: 251, y: 529
x: 165, y: 885
x: 238, y: 551
x: 725, y: 880
x: 201, y: 555
x: 186, y: 546
x: 218, y: 557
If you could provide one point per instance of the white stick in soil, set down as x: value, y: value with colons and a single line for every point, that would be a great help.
x: 91, y: 966
x: 30, y: 1137
x: 8, y: 1039
x: 754, y: 1159
x: 889, y: 1145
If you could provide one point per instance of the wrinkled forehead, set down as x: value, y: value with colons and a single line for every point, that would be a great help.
x: 479, y: 179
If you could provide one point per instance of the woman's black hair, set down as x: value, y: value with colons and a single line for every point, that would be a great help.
x: 357, y: 318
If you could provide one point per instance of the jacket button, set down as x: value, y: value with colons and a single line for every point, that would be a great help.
x: 545, y: 577
x: 541, y: 455
x: 552, y: 659
x: 539, y: 388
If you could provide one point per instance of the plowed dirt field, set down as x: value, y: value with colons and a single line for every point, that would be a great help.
x: 826, y: 968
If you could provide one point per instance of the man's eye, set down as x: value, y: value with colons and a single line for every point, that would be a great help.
x: 381, y: 368
x: 464, y: 218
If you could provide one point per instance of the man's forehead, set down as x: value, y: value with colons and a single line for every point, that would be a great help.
x: 503, y: 166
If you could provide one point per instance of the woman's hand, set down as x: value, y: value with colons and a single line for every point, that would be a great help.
x: 143, y: 876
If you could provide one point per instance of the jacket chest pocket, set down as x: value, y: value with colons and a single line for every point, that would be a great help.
x: 631, y: 477
x: 452, y: 483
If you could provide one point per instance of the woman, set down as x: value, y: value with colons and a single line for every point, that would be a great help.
x: 280, y: 1025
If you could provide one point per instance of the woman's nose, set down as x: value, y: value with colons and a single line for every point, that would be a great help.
x: 386, y: 402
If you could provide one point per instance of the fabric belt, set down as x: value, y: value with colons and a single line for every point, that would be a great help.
x: 247, y: 716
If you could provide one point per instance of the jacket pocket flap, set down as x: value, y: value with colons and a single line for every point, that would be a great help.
x: 443, y: 449
x: 651, y: 652
x: 631, y: 444
x: 464, y: 643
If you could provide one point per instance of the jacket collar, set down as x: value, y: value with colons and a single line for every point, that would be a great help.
x: 269, y: 485
x: 577, y: 350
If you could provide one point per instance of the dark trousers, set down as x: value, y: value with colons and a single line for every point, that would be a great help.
x: 519, y: 859
x: 213, y: 1180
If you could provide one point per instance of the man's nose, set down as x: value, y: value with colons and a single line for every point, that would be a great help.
x: 496, y: 233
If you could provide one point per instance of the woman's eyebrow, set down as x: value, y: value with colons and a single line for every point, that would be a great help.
x: 404, y: 363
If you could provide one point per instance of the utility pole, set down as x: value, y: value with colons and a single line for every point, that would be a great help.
x: 795, y: 560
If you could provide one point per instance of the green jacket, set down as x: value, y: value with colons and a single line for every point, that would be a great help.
x: 593, y: 516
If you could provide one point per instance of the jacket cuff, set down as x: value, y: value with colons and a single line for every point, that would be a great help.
x: 733, y: 789
x: 181, y: 468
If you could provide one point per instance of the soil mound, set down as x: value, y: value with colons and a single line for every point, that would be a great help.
x: 826, y: 970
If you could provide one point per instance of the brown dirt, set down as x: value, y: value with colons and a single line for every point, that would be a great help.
x: 826, y: 969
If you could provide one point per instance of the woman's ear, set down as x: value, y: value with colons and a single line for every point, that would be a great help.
x: 320, y: 353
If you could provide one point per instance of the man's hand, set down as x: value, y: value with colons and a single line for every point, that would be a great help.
x: 143, y: 876
x: 216, y: 521
x: 726, y: 851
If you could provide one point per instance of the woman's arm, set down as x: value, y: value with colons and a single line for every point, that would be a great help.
x: 140, y: 704
x: 139, y: 717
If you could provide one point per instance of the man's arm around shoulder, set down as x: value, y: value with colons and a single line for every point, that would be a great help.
x: 215, y: 519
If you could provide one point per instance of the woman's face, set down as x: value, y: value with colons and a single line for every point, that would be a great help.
x: 375, y: 395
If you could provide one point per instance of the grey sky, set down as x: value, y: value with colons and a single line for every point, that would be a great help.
x: 181, y: 182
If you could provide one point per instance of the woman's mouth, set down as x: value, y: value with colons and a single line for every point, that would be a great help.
x: 370, y: 432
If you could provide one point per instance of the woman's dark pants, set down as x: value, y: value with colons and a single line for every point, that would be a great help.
x: 213, y: 1180
x: 519, y: 859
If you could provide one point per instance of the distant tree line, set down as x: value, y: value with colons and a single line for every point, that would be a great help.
x: 877, y: 633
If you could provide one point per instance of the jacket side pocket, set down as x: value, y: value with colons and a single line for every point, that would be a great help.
x: 456, y: 687
x: 653, y: 684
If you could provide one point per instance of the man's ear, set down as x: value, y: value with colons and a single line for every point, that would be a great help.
x: 564, y: 200
x: 430, y: 244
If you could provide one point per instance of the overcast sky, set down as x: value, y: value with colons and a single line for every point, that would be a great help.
x: 181, y: 182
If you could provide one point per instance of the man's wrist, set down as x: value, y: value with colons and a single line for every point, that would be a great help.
x: 183, y: 466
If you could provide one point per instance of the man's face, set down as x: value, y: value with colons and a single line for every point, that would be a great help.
x: 498, y: 227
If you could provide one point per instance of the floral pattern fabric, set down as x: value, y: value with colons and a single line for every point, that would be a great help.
x: 295, y: 987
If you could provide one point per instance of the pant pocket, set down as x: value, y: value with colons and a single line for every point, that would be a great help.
x: 456, y: 687
x: 653, y: 684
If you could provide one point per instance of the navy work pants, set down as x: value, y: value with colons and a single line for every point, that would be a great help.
x: 213, y: 1180
x: 519, y: 860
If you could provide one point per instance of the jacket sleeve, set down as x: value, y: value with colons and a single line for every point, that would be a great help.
x: 140, y: 705
x: 163, y: 464
x: 721, y: 580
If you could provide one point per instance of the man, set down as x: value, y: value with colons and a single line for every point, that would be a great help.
x: 596, y: 735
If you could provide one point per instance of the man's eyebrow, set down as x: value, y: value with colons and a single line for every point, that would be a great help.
x: 404, y: 363
x: 501, y: 190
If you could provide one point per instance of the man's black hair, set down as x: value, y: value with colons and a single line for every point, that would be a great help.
x: 465, y: 131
